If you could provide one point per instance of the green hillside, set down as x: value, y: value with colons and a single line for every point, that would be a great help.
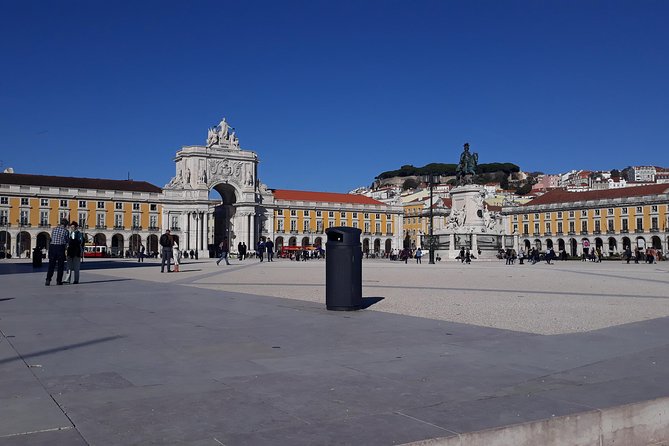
x: 447, y: 170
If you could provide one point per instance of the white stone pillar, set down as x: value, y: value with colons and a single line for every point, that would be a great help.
x: 452, y: 251
x: 475, y: 245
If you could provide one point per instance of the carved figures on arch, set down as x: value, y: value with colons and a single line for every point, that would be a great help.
x: 224, y: 169
x: 221, y: 133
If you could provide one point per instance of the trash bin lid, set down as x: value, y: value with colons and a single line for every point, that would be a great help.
x: 343, y: 235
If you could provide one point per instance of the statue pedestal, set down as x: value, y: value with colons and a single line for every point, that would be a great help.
x: 468, y: 202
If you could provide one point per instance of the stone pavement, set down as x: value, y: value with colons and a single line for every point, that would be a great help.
x: 248, y: 355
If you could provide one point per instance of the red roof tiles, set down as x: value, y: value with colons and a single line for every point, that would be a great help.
x: 328, y: 197
x: 564, y: 196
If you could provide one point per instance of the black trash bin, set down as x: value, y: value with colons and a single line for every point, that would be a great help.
x: 37, y: 258
x: 343, y: 269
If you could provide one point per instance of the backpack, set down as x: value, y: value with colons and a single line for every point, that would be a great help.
x: 165, y: 240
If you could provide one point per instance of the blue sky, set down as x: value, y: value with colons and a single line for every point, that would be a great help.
x: 331, y: 93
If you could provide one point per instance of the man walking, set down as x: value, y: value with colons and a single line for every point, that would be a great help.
x: 269, y: 246
x: 261, y: 249
x: 223, y: 246
x: 167, y: 242
x: 59, y: 238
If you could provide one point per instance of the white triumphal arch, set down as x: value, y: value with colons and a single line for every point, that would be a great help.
x: 238, y: 212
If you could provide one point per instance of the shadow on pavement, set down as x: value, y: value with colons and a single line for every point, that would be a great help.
x: 102, y: 281
x: 87, y: 265
x: 60, y: 349
x: 369, y: 301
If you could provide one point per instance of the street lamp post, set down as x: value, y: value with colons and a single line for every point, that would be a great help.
x: 18, y: 238
x: 7, y: 245
x: 431, y: 179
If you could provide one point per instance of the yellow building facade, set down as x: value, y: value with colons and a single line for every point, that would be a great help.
x: 300, y: 218
x: 415, y: 222
x: 121, y: 215
x: 609, y: 220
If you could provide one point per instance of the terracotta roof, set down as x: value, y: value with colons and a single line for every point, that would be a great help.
x: 329, y: 197
x: 77, y: 183
x: 564, y: 196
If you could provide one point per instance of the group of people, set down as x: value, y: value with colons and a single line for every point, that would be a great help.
x: 169, y: 252
x: 66, y: 246
x: 264, y: 249
x: 465, y: 256
x: 651, y: 255
x: 533, y: 256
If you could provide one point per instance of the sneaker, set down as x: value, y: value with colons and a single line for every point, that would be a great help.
x: 47, y: 283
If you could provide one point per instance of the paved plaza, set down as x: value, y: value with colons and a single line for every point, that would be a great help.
x: 247, y: 354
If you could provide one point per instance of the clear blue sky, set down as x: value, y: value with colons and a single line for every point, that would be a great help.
x: 331, y: 93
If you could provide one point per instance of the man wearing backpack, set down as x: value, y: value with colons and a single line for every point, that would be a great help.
x: 167, y: 242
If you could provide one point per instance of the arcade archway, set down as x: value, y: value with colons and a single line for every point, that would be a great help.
x: 43, y: 240
x: 152, y: 244
x: 117, y: 245
x: 223, y: 214
x: 23, y: 244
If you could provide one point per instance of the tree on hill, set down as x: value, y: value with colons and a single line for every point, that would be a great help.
x: 409, y: 183
x: 447, y: 170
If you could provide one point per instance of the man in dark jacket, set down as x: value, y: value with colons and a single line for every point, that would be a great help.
x: 166, y: 242
x: 269, y: 246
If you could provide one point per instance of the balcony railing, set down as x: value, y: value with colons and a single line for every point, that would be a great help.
x: 548, y: 233
x: 624, y: 231
x: 584, y: 232
x: 100, y: 226
x: 294, y: 231
x: 610, y: 231
x: 638, y: 231
x: 389, y: 233
x: 44, y: 225
x: 571, y: 233
x: 154, y: 228
x: 136, y: 228
x: 536, y: 234
x: 175, y: 228
x: 119, y: 227
x: 280, y: 231
x: 596, y: 232
x: 654, y: 229
x: 378, y: 233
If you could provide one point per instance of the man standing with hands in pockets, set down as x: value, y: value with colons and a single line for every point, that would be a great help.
x: 167, y: 243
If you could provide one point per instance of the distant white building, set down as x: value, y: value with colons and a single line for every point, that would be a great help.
x: 641, y: 174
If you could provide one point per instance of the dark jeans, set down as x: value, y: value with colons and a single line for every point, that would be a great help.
x: 56, y: 257
x: 167, y: 256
